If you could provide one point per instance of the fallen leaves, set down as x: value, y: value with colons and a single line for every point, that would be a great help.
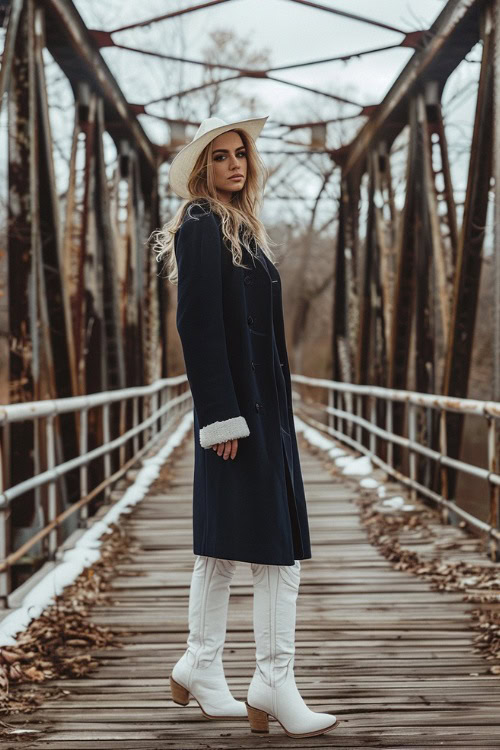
x: 58, y: 643
x: 477, y: 583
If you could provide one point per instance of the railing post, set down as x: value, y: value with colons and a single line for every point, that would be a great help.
x: 52, y: 490
x: 135, y: 422
x: 84, y: 470
x: 349, y: 408
x: 159, y: 421
x: 167, y: 416
x: 106, y: 436
x: 154, y: 410
x: 373, y: 421
x: 359, y: 412
x: 123, y: 427
x: 443, y: 450
x: 412, y: 436
x: 4, y: 523
x: 330, y: 420
x: 494, y: 489
x: 389, y: 423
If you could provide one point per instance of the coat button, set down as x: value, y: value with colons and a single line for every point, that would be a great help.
x: 250, y: 320
x: 257, y: 407
x: 247, y: 280
x: 253, y: 366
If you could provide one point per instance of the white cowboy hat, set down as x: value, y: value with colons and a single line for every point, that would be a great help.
x: 184, y: 161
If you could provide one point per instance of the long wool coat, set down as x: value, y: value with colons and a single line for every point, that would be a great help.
x: 230, y: 321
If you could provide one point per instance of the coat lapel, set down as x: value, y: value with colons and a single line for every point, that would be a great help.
x: 262, y: 259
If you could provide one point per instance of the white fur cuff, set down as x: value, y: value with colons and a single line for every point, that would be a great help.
x: 219, y: 432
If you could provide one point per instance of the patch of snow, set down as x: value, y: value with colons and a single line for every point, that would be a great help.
x: 394, y: 502
x: 344, y: 460
x: 381, y: 491
x: 312, y: 435
x: 369, y: 483
x: 335, y: 452
x: 360, y: 466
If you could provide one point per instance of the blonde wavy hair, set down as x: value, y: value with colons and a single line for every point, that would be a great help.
x: 240, y: 224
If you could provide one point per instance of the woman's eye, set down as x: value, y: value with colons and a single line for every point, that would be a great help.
x: 222, y: 156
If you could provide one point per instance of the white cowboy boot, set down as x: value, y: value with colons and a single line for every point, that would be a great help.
x: 273, y: 690
x: 199, y: 671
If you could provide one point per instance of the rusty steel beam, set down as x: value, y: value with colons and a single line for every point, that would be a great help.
x: 365, y: 108
x: 106, y: 237
x: 470, y: 246
x: 345, y: 310
x: 451, y: 211
x: 23, y: 231
x: 59, y: 313
x: 74, y: 50
x: 496, y: 249
x: 385, y: 231
x: 14, y: 14
x: 340, y: 58
x: 440, y: 255
x: 56, y: 333
x: 405, y: 275
x: 103, y: 39
x: 369, y: 347
x: 351, y: 16
x: 425, y: 256
x: 451, y: 36
x: 166, y: 16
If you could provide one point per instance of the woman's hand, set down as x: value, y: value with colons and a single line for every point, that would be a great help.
x: 229, y: 448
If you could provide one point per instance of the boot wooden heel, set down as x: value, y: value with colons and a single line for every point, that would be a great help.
x: 179, y: 694
x: 259, y: 720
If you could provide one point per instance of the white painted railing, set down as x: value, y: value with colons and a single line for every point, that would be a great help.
x: 168, y: 399
x: 345, y: 422
x: 164, y: 401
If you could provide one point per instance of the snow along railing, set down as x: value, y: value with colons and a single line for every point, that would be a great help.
x: 164, y: 401
x: 347, y: 424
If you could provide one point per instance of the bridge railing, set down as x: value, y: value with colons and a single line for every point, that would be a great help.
x: 161, y: 403
x: 362, y: 416
x: 353, y: 415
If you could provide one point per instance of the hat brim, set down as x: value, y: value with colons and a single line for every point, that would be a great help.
x: 184, y: 161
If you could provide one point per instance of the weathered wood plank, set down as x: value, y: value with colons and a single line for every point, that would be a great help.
x: 394, y: 659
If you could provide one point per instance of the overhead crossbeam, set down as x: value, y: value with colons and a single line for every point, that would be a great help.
x: 450, y: 38
x: 352, y: 16
x: 166, y: 16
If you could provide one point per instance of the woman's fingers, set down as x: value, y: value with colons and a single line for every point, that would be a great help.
x: 234, y: 449
x: 229, y: 448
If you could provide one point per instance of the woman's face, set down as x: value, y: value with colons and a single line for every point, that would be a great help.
x: 229, y: 160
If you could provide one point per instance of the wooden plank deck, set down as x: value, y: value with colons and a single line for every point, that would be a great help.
x: 391, y: 657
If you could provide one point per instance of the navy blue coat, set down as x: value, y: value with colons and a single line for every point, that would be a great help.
x: 230, y: 322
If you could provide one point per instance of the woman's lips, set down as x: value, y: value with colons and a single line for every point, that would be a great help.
x: 236, y: 177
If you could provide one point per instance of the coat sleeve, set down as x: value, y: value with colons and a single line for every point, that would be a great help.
x: 200, y: 323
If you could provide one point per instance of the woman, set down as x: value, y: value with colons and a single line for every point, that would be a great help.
x: 248, y: 498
